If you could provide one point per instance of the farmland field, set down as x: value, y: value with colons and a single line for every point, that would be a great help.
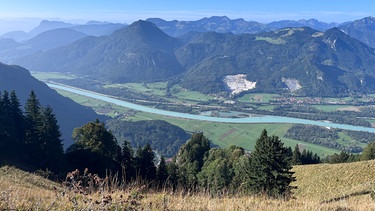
x: 243, y: 135
x: 221, y: 134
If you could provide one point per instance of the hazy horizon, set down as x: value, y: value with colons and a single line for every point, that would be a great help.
x: 26, y: 15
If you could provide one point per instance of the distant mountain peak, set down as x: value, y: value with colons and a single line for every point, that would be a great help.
x: 145, y: 29
x: 368, y: 20
x: 97, y: 22
x: 46, y: 25
x: 142, y: 23
x: 362, y: 29
x: 335, y: 34
x: 218, y: 18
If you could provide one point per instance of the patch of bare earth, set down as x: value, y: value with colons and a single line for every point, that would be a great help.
x: 350, y: 108
x: 229, y: 132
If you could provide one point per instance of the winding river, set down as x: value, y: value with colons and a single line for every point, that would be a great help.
x: 257, y: 119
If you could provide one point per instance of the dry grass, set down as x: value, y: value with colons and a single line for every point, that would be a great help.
x: 320, y: 187
x: 327, y: 181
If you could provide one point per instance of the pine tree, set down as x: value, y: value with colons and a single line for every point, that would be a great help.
x: 33, y: 125
x: 144, y: 160
x: 8, y: 125
x: 270, y: 167
x: 18, y: 117
x: 127, y: 161
x: 42, y: 134
x: 12, y: 128
x: 162, y: 172
x: 51, y: 143
x: 339, y: 158
x: 172, y: 171
x: 296, y: 157
x: 307, y: 157
x: 33, y: 107
x: 3, y: 131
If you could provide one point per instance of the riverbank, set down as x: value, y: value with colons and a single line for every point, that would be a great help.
x: 252, y: 119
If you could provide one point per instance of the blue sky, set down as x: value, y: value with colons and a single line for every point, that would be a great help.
x: 126, y: 11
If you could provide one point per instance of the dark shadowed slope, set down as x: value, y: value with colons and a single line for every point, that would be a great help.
x: 69, y: 114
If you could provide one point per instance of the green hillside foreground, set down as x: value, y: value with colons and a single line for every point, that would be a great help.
x: 320, y: 187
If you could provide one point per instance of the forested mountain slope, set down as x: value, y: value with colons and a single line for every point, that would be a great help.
x: 69, y: 114
x: 302, y: 61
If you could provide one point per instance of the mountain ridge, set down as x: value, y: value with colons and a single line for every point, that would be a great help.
x: 329, y: 63
x: 141, y: 48
x: 68, y: 113
x: 333, y: 62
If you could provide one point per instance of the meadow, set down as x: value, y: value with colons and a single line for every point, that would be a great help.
x: 346, y: 186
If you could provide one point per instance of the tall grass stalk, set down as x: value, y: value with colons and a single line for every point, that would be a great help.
x: 320, y: 187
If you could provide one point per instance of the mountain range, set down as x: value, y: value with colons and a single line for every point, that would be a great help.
x: 91, y: 28
x: 318, y: 61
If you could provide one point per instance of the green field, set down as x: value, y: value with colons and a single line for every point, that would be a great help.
x: 330, y: 108
x: 149, y: 88
x: 221, y: 134
x: 191, y: 96
x: 52, y: 75
x: 257, y: 98
x: 271, y: 40
x: 178, y: 94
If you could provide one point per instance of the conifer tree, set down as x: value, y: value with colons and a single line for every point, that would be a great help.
x: 162, y: 172
x: 18, y: 117
x: 34, y: 123
x: 42, y: 135
x: 127, y: 161
x: 51, y: 143
x: 13, y: 124
x: 270, y: 167
x: 3, y: 132
x: 8, y: 125
x: 339, y: 158
x: 172, y: 170
x: 144, y: 160
x: 307, y: 157
x: 296, y: 157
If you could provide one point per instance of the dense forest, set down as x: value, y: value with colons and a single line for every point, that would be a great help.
x: 328, y: 137
x: 31, y: 137
x: 31, y: 140
x: 163, y: 137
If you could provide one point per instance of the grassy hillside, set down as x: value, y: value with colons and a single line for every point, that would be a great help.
x: 320, y: 187
x: 325, y: 182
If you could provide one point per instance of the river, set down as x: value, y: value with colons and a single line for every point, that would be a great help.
x: 256, y: 119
